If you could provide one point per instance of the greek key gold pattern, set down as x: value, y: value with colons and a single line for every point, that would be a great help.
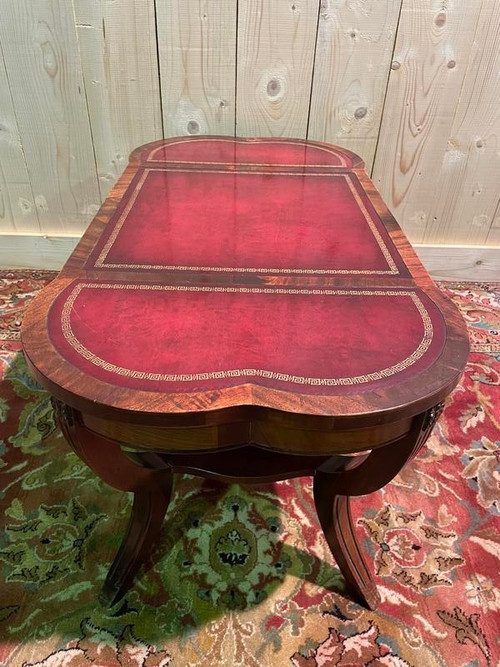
x: 339, y: 156
x: 114, y: 234
x: 101, y: 260
x: 246, y: 372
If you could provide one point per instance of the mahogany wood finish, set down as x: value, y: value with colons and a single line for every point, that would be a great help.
x: 151, y: 488
x: 250, y: 425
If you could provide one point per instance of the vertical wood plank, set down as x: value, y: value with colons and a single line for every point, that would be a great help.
x: 120, y: 69
x: 276, y: 41
x: 353, y: 57
x: 197, y: 48
x: 17, y: 204
x: 429, y: 63
x: 44, y: 70
x: 463, y: 208
x: 493, y: 238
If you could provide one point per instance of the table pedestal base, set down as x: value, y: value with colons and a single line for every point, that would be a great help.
x: 149, y: 476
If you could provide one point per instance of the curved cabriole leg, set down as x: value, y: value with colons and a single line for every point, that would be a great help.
x: 152, y: 490
x: 335, y: 481
x: 342, y: 477
x: 334, y: 514
x: 146, y: 519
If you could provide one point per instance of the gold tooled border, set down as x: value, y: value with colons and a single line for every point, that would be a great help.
x: 101, y: 260
x: 246, y: 372
x: 340, y: 156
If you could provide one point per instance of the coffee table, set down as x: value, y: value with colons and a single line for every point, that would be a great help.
x: 249, y: 310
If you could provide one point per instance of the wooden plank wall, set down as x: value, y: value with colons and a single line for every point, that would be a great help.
x: 410, y: 85
x: 438, y: 145
x: 117, y: 43
x: 44, y: 73
x: 197, y: 53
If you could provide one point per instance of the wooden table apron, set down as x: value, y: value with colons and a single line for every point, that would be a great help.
x: 246, y: 309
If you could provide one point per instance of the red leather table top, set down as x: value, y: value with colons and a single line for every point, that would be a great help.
x: 210, y: 336
x: 258, y: 263
x: 294, y: 223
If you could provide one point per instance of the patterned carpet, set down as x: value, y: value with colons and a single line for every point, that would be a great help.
x: 243, y: 575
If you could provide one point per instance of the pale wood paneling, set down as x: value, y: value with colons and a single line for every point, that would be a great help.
x: 429, y: 64
x: 276, y: 41
x: 17, y: 204
x: 467, y: 188
x: 455, y: 262
x: 82, y: 86
x: 120, y: 69
x: 43, y: 66
x: 35, y: 251
x: 197, y: 49
x: 494, y: 233
x: 353, y: 57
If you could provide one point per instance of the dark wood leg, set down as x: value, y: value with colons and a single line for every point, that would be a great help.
x: 146, y: 519
x: 339, y: 478
x: 334, y: 514
x: 149, y: 477
x: 152, y: 490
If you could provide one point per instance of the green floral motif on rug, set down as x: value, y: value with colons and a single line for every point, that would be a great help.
x: 233, y: 558
x: 36, y: 418
x: 49, y: 544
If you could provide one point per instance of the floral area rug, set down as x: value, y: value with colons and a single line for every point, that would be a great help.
x: 243, y: 575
